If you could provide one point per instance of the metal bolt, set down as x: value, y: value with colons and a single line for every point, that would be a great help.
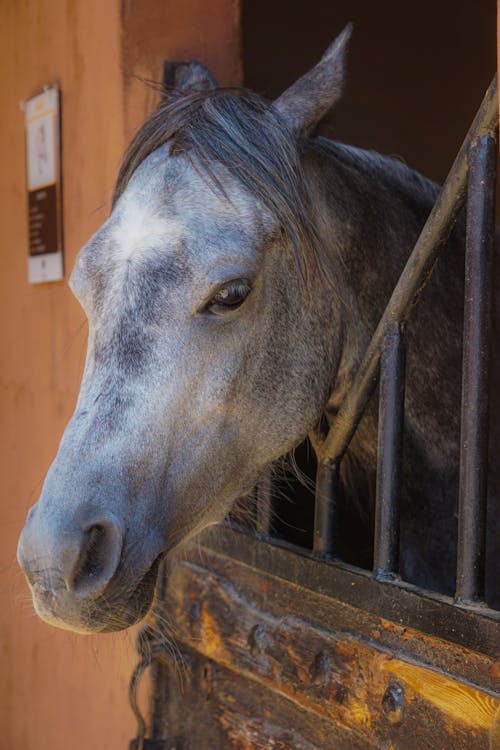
x: 319, y: 668
x: 257, y: 640
x: 393, y: 703
x: 207, y: 679
x: 195, y: 619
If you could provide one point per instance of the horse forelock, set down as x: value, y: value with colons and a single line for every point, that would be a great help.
x: 241, y: 132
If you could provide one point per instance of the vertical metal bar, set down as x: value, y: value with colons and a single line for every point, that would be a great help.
x: 326, y: 510
x: 474, y: 420
x: 159, y: 699
x: 264, y: 508
x: 413, y: 279
x: 159, y: 668
x: 390, y: 444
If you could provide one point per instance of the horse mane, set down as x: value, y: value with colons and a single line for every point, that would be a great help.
x: 242, y: 132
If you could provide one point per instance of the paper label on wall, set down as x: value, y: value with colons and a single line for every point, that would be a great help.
x: 45, y: 261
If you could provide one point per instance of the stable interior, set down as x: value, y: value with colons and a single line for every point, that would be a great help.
x: 416, y: 76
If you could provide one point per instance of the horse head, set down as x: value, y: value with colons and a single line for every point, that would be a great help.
x: 213, y: 342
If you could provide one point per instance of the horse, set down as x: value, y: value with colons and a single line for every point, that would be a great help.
x: 230, y: 297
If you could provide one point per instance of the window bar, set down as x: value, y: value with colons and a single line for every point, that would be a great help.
x: 160, y: 670
x: 412, y: 280
x: 474, y: 419
x: 405, y: 296
x: 326, y: 509
x: 390, y: 443
x: 264, y: 510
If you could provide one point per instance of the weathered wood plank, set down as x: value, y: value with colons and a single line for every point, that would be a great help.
x: 217, y: 710
x: 426, y: 612
x: 277, y: 595
x: 357, y: 683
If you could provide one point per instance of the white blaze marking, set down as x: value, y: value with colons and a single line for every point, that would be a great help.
x: 139, y: 229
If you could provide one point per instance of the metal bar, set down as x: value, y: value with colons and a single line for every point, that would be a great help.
x: 412, y: 280
x: 474, y: 421
x: 159, y: 697
x: 390, y: 443
x: 264, y: 509
x: 159, y: 668
x: 326, y: 510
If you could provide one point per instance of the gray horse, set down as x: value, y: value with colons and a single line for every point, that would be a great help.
x: 230, y: 298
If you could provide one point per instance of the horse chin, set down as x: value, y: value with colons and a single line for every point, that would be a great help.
x: 102, y: 615
x: 138, y: 604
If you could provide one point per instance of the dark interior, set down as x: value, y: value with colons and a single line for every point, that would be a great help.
x: 416, y: 75
x: 416, y: 71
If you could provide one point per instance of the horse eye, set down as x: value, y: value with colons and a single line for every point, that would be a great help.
x: 230, y: 296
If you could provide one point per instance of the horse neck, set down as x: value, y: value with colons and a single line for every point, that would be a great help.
x: 370, y: 210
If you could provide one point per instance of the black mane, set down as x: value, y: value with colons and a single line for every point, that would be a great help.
x: 240, y: 131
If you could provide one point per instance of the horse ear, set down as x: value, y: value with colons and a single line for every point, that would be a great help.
x: 307, y: 100
x: 187, y: 76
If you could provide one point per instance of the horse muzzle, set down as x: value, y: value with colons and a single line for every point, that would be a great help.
x: 75, y: 573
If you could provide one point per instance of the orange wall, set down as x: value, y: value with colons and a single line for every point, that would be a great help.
x: 58, y: 690
x: 204, y: 30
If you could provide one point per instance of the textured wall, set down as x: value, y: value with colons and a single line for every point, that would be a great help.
x: 58, y: 690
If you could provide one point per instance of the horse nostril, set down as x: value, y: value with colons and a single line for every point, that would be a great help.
x: 98, y: 558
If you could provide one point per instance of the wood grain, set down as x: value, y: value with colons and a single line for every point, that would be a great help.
x: 355, y: 685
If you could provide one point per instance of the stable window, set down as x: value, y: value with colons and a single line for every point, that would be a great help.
x: 300, y: 570
x: 310, y: 514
